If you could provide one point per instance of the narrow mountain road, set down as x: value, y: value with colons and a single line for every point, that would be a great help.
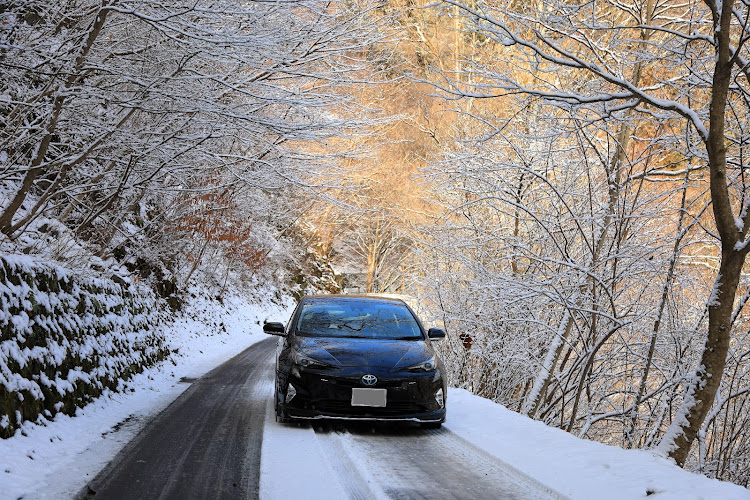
x: 207, y: 444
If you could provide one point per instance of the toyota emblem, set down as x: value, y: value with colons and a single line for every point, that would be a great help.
x: 369, y: 379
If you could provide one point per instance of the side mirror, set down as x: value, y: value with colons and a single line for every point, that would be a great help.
x: 436, y: 333
x: 274, y: 328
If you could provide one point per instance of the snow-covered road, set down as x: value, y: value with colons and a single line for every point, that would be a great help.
x: 207, y: 444
x: 364, y: 460
x: 407, y: 462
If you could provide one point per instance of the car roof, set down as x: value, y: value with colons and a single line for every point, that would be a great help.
x: 380, y: 298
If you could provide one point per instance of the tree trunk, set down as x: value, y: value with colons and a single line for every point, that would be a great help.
x: 542, y: 380
x: 702, y: 389
x: 680, y: 233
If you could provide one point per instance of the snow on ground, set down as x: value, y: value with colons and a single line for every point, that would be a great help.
x: 57, y: 460
x: 577, y: 468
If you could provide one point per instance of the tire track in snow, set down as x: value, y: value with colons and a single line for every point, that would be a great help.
x: 406, y: 462
x: 358, y: 484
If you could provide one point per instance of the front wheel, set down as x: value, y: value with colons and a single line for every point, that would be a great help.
x: 280, y: 413
x: 282, y: 419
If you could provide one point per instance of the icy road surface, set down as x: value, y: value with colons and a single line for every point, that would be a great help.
x: 207, y: 444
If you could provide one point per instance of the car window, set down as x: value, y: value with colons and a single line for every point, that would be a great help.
x: 357, y: 319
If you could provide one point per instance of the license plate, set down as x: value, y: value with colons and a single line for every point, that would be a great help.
x: 368, y: 397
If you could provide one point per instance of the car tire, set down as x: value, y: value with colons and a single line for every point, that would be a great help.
x: 280, y: 414
x: 283, y: 420
x: 431, y: 425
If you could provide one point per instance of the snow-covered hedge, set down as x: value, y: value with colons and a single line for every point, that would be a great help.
x: 66, y: 339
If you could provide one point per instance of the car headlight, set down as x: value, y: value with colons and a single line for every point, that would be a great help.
x: 424, y: 366
x: 307, y: 362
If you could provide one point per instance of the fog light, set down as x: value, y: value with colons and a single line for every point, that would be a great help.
x: 439, y: 398
x: 291, y: 392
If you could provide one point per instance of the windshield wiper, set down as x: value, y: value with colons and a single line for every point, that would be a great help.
x: 346, y: 325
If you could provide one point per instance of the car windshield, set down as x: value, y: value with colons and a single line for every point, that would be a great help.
x: 357, y: 318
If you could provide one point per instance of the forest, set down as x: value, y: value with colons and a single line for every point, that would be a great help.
x: 560, y: 184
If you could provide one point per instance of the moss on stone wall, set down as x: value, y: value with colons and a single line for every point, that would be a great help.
x: 65, y: 339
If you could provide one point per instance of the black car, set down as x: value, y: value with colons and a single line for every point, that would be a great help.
x: 358, y: 357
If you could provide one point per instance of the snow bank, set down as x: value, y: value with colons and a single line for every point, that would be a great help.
x: 577, y: 468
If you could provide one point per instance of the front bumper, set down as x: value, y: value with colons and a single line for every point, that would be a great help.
x: 327, y: 394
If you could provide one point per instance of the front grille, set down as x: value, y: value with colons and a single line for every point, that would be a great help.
x: 392, y: 408
x: 357, y: 382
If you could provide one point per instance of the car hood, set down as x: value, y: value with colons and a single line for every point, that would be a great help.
x: 364, y: 352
